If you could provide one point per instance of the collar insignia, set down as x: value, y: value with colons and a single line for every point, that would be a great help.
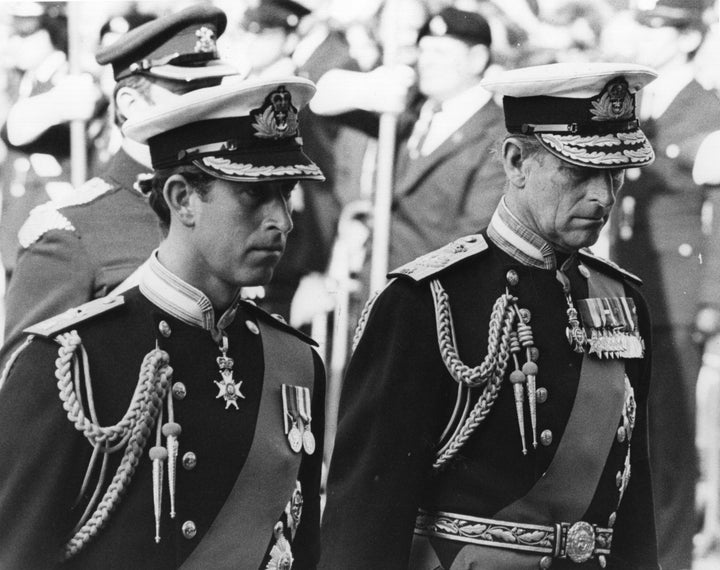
x: 615, y: 102
x: 206, y: 41
x: 277, y: 118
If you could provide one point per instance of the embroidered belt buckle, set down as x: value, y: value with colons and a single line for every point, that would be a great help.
x: 579, y: 541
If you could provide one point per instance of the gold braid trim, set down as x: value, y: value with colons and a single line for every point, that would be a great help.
x: 490, y: 372
x: 134, y: 428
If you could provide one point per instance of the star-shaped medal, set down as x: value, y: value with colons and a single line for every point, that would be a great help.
x: 229, y: 389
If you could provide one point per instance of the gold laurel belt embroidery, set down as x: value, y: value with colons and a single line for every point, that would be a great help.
x: 578, y: 541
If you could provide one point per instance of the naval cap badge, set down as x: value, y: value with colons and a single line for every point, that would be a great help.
x: 615, y: 102
x: 277, y: 118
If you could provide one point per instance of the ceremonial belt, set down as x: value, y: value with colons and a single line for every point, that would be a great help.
x: 577, y: 541
x: 240, y: 534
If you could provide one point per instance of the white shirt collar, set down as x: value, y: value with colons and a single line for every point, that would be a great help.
x: 180, y: 299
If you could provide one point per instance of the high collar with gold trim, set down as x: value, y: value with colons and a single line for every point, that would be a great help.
x: 518, y: 241
x: 180, y: 299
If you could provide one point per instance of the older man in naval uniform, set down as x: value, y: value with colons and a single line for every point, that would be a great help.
x: 177, y: 425
x: 494, y: 410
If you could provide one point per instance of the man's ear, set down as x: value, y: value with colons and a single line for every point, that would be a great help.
x: 129, y: 102
x: 513, y: 161
x: 177, y: 196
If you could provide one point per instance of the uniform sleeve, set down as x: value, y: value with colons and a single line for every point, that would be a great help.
x: 52, y: 275
x: 38, y: 477
x: 388, y: 426
x: 306, y: 546
x: 634, y: 542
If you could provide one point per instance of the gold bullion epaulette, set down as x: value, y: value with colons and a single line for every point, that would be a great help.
x: 588, y: 255
x: 47, y: 217
x: 54, y: 325
x: 278, y: 321
x: 440, y: 259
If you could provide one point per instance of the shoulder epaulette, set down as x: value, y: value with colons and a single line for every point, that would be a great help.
x: 440, y: 259
x: 278, y: 321
x: 72, y: 317
x: 47, y: 216
x: 588, y: 255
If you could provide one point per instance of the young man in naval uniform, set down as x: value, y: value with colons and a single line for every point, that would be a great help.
x: 495, y: 405
x: 176, y: 425
x: 82, y: 247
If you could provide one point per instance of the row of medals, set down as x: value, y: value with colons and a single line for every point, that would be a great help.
x: 610, y: 328
x: 296, y: 407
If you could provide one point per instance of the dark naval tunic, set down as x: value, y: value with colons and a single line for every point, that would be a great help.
x: 385, y: 499
x: 81, y: 248
x: 242, y: 499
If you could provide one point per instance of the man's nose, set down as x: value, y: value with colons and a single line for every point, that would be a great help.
x: 279, y: 213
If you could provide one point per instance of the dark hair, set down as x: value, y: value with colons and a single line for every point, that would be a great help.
x: 153, y: 187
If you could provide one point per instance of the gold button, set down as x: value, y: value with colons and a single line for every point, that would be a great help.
x: 621, y: 434
x: 189, y: 530
x: 545, y: 562
x: 541, y: 395
x: 512, y: 277
x: 611, y: 519
x: 546, y: 437
x: 164, y: 329
x: 189, y: 461
x: 179, y: 391
x: 252, y: 327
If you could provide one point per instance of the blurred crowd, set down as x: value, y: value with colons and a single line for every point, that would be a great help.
x: 394, y: 94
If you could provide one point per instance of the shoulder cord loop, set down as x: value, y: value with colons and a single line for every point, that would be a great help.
x: 489, y: 373
x: 363, y: 319
x: 133, y: 429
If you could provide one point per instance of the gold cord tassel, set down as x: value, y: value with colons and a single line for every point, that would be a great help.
x: 158, y: 454
x: 172, y: 431
x: 517, y: 377
x: 530, y: 369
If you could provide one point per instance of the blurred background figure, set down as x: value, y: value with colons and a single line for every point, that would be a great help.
x: 37, y: 127
x: 664, y: 231
x: 446, y: 181
x: 85, y: 245
x: 269, y: 37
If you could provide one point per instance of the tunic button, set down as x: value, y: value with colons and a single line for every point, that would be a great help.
x: 189, y: 530
x: 685, y: 250
x: 189, y: 461
x: 164, y: 329
x: 179, y: 391
x: 621, y: 434
x: 611, y: 519
x: 618, y: 479
x: 534, y: 353
x: 512, y: 277
x: 541, y: 395
x: 252, y: 327
x: 546, y: 437
x: 545, y: 562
